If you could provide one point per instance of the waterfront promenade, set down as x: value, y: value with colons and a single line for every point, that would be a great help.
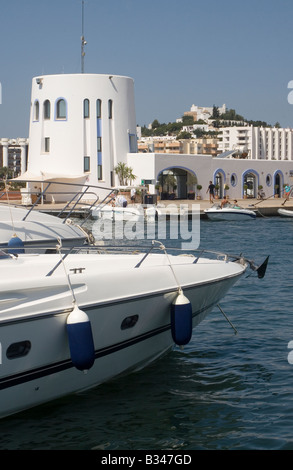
x: 267, y: 207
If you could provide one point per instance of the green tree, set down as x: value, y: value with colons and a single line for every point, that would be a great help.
x: 173, y: 127
x: 121, y: 171
x: 216, y: 112
x: 145, y: 132
x: 183, y: 135
x: 124, y: 173
x: 231, y: 115
x: 170, y: 181
x: 155, y: 124
x: 187, y: 120
x: 5, y: 172
x: 131, y: 177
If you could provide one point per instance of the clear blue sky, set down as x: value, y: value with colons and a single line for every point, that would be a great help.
x: 179, y: 53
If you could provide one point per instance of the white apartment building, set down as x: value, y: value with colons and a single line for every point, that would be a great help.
x: 13, y: 154
x: 169, y: 144
x: 258, y: 143
x: 195, y: 127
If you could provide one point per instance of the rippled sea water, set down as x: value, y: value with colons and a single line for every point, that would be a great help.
x: 222, y: 391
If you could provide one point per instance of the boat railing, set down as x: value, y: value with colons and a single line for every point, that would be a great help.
x: 81, y: 197
x: 75, y: 197
x: 110, y: 198
x: 195, y: 254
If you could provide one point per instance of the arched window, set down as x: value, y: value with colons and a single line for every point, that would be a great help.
x: 99, y: 139
x: 36, y: 110
x: 99, y: 108
x: 47, y: 109
x: 61, y: 109
x: 250, y: 183
x: 86, y: 164
x: 233, y: 179
x: 86, y: 108
x: 268, y: 179
x: 110, y: 109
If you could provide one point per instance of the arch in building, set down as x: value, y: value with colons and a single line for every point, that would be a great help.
x: 250, y: 179
x: 233, y: 180
x: 47, y: 109
x: 179, y: 182
x: 86, y: 108
x: 278, y: 179
x: 61, y: 109
x: 99, y: 108
x: 36, y: 114
x: 219, y: 179
x: 110, y: 109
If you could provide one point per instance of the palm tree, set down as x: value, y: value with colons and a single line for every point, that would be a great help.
x: 124, y: 173
x: 131, y: 177
x: 121, y: 171
x: 170, y: 180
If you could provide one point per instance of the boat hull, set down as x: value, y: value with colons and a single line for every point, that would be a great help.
x: 141, y: 301
x: 37, y: 230
x: 285, y: 213
x: 117, y: 213
x: 229, y: 214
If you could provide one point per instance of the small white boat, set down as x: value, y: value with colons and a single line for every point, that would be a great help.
x: 229, y: 212
x: 151, y: 213
x: 285, y: 213
x: 117, y: 213
x: 22, y: 228
x: 98, y: 312
x: 116, y: 207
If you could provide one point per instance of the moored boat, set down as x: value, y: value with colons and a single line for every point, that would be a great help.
x: 117, y: 213
x: 22, y: 228
x: 98, y: 312
x: 285, y: 212
x: 229, y: 212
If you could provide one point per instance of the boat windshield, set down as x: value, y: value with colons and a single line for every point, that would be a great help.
x: 228, y: 205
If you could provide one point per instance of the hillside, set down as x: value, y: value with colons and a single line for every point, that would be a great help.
x: 230, y: 118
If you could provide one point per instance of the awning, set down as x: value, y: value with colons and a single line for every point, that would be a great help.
x: 42, y: 177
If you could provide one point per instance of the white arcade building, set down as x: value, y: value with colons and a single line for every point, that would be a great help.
x: 83, y: 125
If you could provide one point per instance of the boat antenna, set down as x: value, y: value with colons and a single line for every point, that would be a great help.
x: 83, y: 41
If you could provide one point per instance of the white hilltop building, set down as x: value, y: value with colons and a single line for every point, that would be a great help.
x: 202, y: 112
x: 205, y: 112
x: 83, y: 125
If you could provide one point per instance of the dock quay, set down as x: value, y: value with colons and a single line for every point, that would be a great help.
x: 267, y: 207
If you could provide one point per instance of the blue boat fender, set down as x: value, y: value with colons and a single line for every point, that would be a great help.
x: 80, y: 338
x: 181, y: 320
x: 15, y: 245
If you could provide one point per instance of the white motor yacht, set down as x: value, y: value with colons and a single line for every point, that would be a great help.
x: 71, y: 321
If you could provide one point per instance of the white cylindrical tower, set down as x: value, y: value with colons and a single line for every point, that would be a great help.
x: 81, y: 126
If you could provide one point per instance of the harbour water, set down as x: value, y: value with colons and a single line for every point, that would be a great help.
x: 222, y: 391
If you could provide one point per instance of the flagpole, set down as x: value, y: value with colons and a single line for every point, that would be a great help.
x: 83, y: 41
